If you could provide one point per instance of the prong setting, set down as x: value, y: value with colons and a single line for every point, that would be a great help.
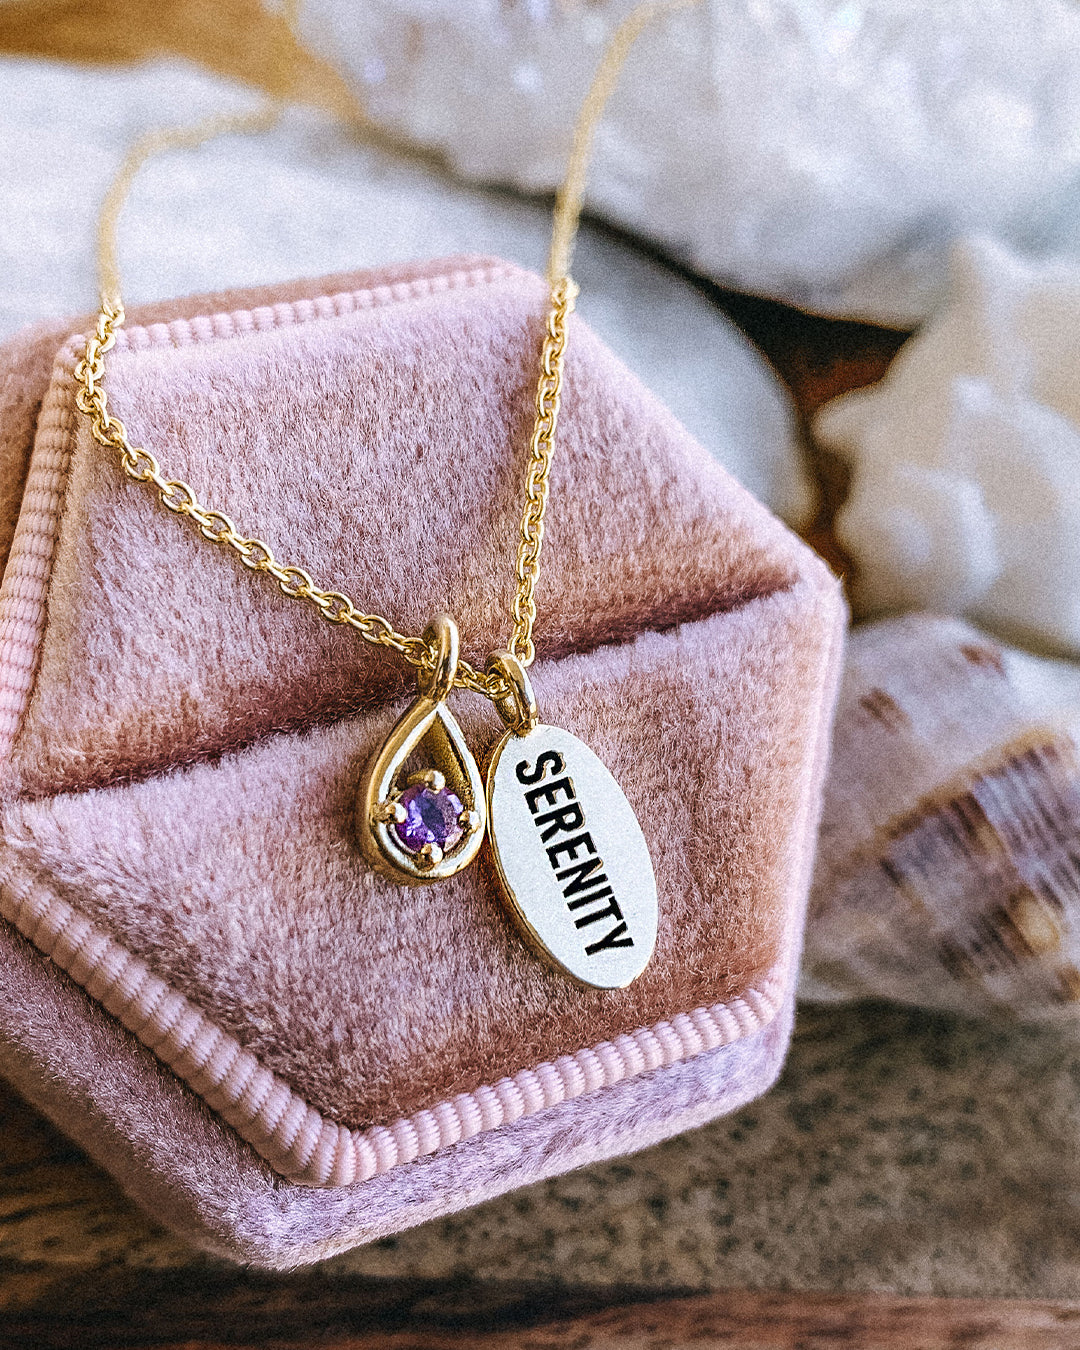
x: 390, y: 812
x: 432, y: 779
x: 430, y: 856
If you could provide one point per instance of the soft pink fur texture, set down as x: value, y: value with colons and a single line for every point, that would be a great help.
x: 187, y: 766
x: 176, y: 1158
x: 239, y: 881
x: 29, y: 356
x: 327, y: 439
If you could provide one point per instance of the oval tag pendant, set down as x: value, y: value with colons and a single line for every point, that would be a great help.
x: 571, y: 857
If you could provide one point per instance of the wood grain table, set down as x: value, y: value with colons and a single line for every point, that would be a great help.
x: 203, y: 1315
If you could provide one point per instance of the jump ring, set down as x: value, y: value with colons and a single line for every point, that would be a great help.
x: 518, y: 708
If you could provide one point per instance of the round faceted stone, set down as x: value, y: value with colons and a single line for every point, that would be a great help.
x: 430, y: 818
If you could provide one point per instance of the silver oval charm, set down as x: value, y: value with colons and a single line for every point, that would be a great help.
x: 571, y: 857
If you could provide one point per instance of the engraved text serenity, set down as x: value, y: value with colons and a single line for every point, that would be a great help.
x: 571, y: 857
x: 572, y: 853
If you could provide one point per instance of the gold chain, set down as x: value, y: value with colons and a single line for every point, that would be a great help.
x: 541, y: 450
x: 177, y: 496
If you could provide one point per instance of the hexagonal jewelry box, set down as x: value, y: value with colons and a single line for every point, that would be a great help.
x: 276, y: 1050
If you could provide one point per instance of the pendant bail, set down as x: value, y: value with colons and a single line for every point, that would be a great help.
x: 517, y: 708
x: 436, y: 683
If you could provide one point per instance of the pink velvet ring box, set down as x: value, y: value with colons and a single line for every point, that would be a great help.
x: 275, y: 1050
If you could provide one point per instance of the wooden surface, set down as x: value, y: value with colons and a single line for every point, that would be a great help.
x: 204, y: 1312
x: 243, y: 39
x: 81, y: 1266
x: 817, y: 359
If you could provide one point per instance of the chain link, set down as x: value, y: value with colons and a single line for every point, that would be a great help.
x: 537, y: 481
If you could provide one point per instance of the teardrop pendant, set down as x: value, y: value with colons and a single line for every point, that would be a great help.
x: 433, y: 826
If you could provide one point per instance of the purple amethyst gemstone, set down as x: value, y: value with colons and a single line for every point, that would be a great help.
x: 430, y: 818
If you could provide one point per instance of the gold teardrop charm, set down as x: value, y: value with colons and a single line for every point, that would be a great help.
x: 432, y: 826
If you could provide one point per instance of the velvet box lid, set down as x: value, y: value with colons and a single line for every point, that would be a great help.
x: 277, y: 1051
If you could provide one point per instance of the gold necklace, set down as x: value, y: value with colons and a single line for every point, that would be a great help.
x: 569, y: 853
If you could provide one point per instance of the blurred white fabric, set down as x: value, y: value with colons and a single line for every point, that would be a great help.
x: 305, y: 199
x: 825, y: 152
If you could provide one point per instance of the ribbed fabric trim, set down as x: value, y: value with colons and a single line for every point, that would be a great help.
x: 24, y: 592
x: 288, y: 313
x: 296, y: 1139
